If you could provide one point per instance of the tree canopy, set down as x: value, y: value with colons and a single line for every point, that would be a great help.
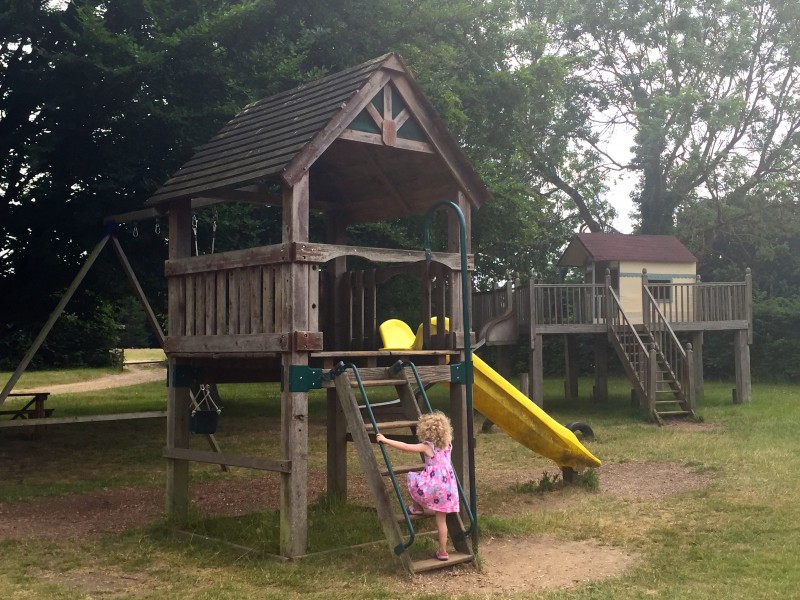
x: 101, y: 101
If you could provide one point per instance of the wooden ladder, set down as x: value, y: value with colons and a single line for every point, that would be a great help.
x: 401, y: 414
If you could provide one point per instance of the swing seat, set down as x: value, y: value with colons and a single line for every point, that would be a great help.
x: 204, y: 421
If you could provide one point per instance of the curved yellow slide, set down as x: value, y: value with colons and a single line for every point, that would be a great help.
x: 495, y: 398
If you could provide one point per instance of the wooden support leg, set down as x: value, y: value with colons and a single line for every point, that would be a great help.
x: 571, y: 363
x: 537, y: 371
x: 601, y: 368
x: 699, y: 379
x: 742, y: 358
x: 294, y: 447
x: 178, y: 413
x: 337, y: 447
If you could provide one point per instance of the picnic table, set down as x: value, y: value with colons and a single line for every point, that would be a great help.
x: 33, y: 409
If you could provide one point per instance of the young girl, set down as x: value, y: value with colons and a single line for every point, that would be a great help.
x: 434, y: 488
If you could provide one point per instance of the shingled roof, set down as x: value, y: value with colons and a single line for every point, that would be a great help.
x: 604, y: 247
x: 332, y: 128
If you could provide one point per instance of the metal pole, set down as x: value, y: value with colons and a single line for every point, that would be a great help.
x: 467, y: 341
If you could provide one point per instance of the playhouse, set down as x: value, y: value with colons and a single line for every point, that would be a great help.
x: 641, y: 296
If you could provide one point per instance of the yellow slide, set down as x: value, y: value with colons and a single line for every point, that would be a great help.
x: 495, y: 398
x: 508, y: 408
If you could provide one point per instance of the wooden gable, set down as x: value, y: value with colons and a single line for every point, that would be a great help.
x: 371, y: 142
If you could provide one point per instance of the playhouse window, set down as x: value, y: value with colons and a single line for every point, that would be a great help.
x: 661, y: 289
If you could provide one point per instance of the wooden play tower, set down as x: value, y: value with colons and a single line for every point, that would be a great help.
x: 359, y: 146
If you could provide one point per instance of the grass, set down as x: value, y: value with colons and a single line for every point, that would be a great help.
x: 737, y: 537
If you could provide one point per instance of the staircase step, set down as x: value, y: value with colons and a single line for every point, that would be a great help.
x: 674, y: 413
x: 392, y: 425
x: 674, y: 401
x: 431, y: 564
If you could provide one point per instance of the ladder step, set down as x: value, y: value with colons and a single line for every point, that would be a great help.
x: 379, y: 382
x: 392, y: 425
x: 403, y: 469
x: 674, y: 413
x: 431, y: 564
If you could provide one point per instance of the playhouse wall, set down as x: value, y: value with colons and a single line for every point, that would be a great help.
x: 630, y: 282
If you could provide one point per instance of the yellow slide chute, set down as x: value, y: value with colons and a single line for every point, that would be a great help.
x: 508, y: 408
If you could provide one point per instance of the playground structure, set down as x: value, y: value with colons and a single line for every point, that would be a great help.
x: 641, y: 294
x: 359, y: 146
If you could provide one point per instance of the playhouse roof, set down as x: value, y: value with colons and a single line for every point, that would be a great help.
x: 373, y: 144
x: 603, y: 247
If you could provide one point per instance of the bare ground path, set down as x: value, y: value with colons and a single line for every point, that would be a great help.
x: 132, y: 374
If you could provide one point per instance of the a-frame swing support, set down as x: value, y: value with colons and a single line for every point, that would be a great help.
x: 108, y: 234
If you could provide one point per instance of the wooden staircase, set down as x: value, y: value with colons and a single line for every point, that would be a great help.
x: 363, y: 422
x: 656, y: 380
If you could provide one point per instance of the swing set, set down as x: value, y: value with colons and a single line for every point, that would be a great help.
x: 204, y: 397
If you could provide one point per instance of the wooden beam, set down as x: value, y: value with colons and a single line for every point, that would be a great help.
x: 230, y: 460
x: 84, y: 419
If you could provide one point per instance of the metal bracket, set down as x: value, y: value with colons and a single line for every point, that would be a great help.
x: 458, y: 373
x: 303, y: 378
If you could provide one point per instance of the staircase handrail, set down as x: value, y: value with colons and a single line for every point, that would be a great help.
x: 614, y: 322
x: 667, y: 343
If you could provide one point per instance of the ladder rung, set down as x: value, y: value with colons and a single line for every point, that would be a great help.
x: 403, y: 469
x: 379, y: 382
x: 674, y: 413
x: 392, y: 425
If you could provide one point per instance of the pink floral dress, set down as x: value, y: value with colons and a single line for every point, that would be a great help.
x: 435, y: 487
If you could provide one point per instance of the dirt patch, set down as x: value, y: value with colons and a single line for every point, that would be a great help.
x: 509, y: 565
x: 648, y: 480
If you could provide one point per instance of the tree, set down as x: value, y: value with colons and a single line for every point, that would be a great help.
x: 708, y: 89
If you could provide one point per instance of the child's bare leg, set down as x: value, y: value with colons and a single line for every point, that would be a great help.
x: 441, y: 526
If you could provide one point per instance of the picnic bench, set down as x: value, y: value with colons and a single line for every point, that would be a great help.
x: 33, y: 409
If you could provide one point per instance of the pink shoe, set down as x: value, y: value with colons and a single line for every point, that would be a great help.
x: 441, y: 555
x: 414, y: 510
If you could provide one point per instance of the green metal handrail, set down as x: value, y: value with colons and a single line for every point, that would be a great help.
x: 473, y: 501
x: 401, y: 365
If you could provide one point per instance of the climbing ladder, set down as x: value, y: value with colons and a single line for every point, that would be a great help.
x: 362, y: 424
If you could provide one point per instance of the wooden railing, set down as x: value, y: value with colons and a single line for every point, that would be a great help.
x: 230, y: 302
x: 487, y: 306
x: 701, y: 302
x: 568, y: 304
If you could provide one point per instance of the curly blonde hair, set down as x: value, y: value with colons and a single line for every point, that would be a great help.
x: 435, y: 427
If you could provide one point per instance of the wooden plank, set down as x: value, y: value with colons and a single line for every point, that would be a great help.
x: 209, y: 344
x: 230, y: 460
x: 322, y: 253
x: 235, y: 259
x: 377, y: 139
x: 369, y: 465
x: 84, y: 419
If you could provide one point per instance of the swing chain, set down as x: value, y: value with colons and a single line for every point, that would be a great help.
x: 135, y: 232
x: 158, y: 227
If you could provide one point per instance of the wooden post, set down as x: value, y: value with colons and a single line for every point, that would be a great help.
x: 458, y: 393
x: 336, y: 424
x: 744, y: 393
x: 571, y: 364
x: 748, y: 292
x: 601, y: 367
x: 645, y: 304
x: 652, y: 380
x: 294, y: 405
x: 537, y: 370
x: 535, y: 356
x: 178, y: 398
x: 699, y: 378
x: 691, y: 398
